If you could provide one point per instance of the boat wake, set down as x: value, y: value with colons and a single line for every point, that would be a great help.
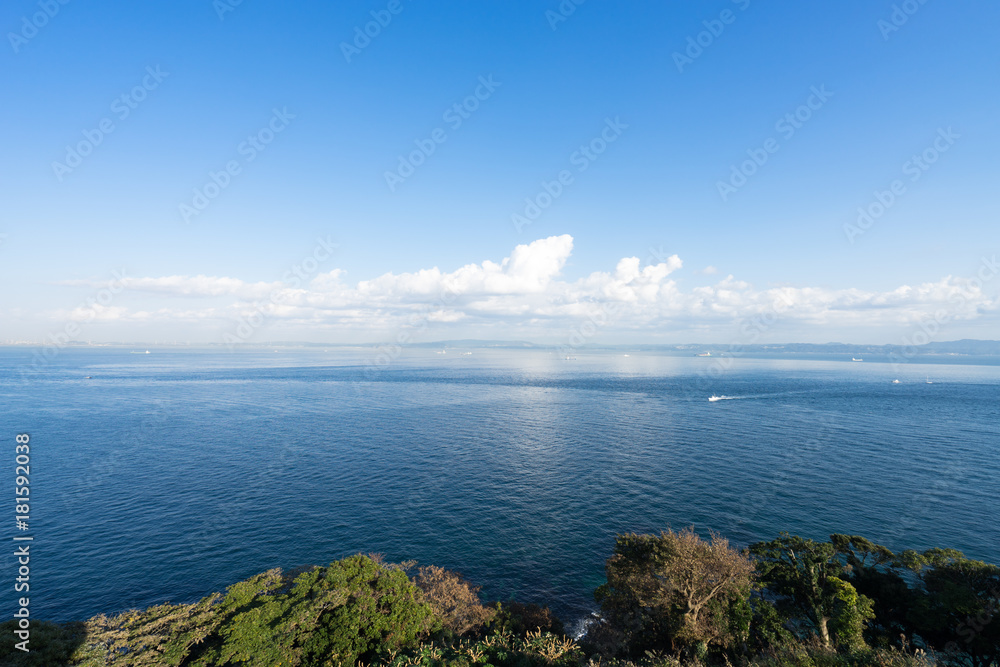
x: 713, y: 398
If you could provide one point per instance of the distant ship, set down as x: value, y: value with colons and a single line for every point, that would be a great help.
x: 704, y: 354
x: 713, y: 398
x: 853, y: 359
x: 895, y: 381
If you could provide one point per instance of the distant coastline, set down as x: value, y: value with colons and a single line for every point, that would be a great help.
x: 942, y: 351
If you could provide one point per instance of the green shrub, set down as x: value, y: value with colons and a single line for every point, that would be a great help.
x: 535, y: 649
x: 325, y: 616
x: 383, y: 610
x: 812, y: 654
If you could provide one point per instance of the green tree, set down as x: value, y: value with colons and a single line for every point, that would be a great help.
x: 877, y: 573
x: 675, y: 591
x: 959, y: 609
x: 322, y: 616
x: 382, y: 609
x: 811, y: 582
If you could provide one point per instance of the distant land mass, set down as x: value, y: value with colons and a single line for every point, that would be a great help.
x: 956, y: 348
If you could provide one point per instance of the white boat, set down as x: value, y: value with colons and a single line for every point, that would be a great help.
x: 713, y: 398
x: 853, y: 359
x: 704, y: 354
x: 895, y: 381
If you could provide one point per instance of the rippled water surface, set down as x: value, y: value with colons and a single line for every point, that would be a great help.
x: 172, y: 474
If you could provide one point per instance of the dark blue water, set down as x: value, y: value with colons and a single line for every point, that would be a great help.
x: 170, y: 475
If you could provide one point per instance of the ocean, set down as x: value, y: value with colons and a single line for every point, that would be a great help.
x: 170, y: 475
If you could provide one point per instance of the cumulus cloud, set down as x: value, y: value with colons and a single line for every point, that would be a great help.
x: 527, y: 289
x: 530, y: 269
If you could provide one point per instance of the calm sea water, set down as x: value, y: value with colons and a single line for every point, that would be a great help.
x: 173, y: 474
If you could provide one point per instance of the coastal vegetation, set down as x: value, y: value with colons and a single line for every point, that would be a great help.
x: 669, y: 600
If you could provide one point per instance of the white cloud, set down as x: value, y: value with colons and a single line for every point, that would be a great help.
x: 529, y: 270
x: 201, y: 286
x: 527, y: 291
x: 97, y: 312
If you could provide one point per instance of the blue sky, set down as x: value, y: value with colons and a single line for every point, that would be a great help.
x: 201, y: 78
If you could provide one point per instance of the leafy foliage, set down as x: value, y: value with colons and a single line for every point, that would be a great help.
x: 811, y: 582
x: 674, y: 590
x: 958, y: 610
x: 535, y: 649
x: 877, y: 574
x: 805, y: 654
x: 330, y: 615
x: 669, y: 597
x: 453, y: 601
x: 383, y: 610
